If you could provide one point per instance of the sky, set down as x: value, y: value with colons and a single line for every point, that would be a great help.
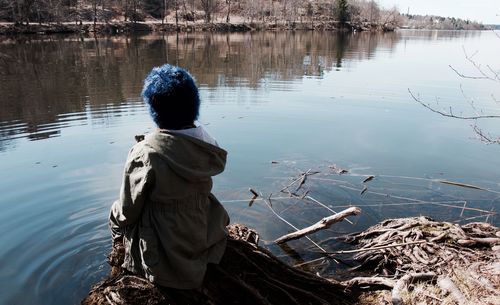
x: 485, y: 11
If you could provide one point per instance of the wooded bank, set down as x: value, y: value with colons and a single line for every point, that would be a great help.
x: 148, y: 27
x: 113, y: 16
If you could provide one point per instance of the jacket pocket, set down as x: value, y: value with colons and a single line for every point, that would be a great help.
x: 148, y: 245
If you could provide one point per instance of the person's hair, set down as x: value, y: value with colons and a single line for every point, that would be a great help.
x: 172, y: 97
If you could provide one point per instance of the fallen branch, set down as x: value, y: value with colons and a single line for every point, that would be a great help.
x: 288, y: 223
x: 461, y: 184
x: 301, y: 179
x: 309, y: 262
x: 377, y: 248
x: 486, y: 241
x: 290, y: 184
x: 324, y: 206
x: 320, y: 225
x: 255, y: 195
x: 370, y: 281
x: 368, y: 179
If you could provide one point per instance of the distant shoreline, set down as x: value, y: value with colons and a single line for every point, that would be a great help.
x: 122, y: 27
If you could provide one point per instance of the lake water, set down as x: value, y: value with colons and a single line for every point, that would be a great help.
x: 280, y: 103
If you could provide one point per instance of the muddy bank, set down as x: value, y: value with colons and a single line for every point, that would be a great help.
x: 247, y: 274
x: 66, y: 28
x: 120, y: 28
x: 398, y: 261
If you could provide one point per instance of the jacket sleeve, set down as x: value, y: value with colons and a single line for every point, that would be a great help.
x: 137, y: 179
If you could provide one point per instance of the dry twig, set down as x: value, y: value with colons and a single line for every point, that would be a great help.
x: 450, y: 114
x: 378, y: 248
x: 320, y: 225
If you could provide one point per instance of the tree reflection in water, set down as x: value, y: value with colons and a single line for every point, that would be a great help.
x: 48, y: 83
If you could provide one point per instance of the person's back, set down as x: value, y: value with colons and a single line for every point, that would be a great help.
x: 171, y: 224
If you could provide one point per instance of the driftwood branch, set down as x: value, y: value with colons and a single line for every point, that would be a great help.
x: 377, y: 248
x: 320, y: 225
x: 268, y: 203
x: 301, y: 179
x: 369, y: 282
x: 461, y: 184
x: 324, y: 206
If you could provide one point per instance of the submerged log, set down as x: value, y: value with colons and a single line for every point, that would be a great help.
x: 247, y: 274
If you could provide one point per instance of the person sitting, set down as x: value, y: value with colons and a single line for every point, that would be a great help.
x: 170, y: 223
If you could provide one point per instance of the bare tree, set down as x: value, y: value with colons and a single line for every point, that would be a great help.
x: 94, y: 6
x: 209, y: 8
x: 253, y: 9
x: 164, y: 13
x: 343, y: 15
x: 355, y: 11
x: 483, y: 73
x: 228, y: 4
x: 310, y: 13
x: 126, y: 7
x: 294, y: 9
x: 176, y: 7
x: 365, y: 12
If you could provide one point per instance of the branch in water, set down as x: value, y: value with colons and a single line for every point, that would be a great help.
x: 483, y: 137
x: 493, y: 77
x: 467, y: 76
x: 450, y: 114
x: 320, y: 225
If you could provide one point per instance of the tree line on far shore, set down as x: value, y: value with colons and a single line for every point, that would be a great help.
x: 359, y: 12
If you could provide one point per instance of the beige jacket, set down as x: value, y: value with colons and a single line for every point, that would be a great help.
x: 171, y: 223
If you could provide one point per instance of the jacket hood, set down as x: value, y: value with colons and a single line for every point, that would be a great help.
x: 190, y: 158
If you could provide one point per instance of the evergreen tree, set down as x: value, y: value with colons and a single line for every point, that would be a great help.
x: 342, y: 11
x: 155, y: 8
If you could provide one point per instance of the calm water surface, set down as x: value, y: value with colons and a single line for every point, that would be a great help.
x: 70, y: 107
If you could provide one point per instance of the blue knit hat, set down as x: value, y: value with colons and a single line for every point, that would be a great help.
x: 172, y: 97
